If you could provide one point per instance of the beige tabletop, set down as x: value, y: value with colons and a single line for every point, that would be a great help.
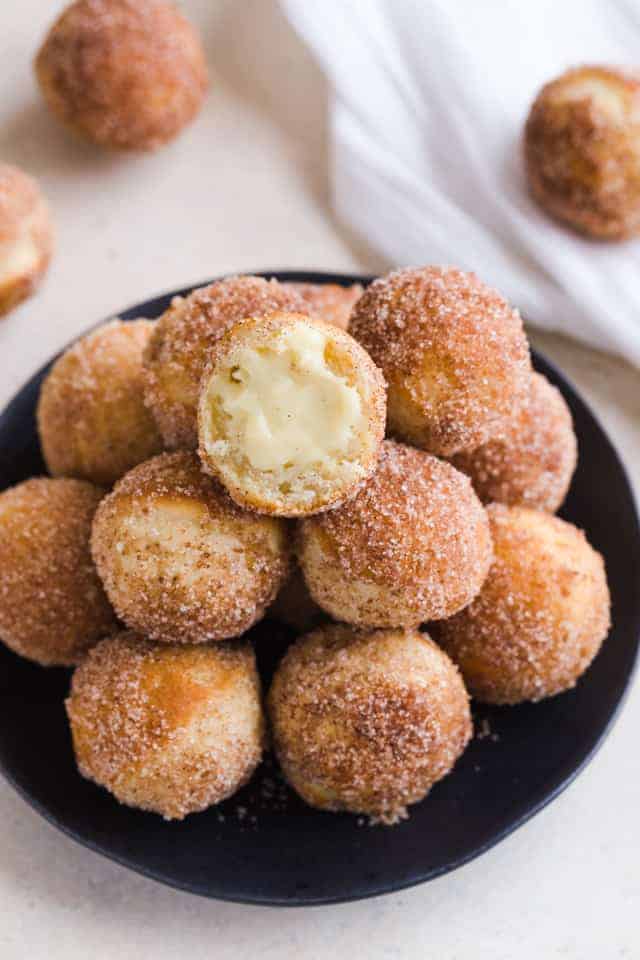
x: 246, y: 188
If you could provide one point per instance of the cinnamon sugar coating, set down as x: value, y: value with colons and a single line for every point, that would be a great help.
x: 452, y: 350
x: 52, y: 605
x: 541, y: 615
x: 367, y: 721
x: 182, y: 340
x: 26, y: 236
x: 330, y: 302
x: 532, y: 460
x: 411, y: 546
x: 92, y: 419
x: 180, y: 561
x: 125, y: 74
x: 582, y: 151
x: 167, y: 728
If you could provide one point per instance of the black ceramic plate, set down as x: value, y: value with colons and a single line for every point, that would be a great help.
x: 265, y: 846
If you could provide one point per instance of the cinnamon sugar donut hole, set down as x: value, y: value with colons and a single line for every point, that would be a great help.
x: 541, y: 615
x: 453, y: 352
x: 125, y: 74
x: 179, y: 348
x: 330, y: 302
x: 92, y: 419
x: 291, y: 414
x: 26, y: 236
x: 367, y: 721
x: 52, y: 605
x: 582, y: 151
x: 180, y: 561
x: 168, y: 728
x: 413, y: 545
x: 532, y: 460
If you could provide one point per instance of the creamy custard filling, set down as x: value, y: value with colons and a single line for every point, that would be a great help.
x: 284, y: 407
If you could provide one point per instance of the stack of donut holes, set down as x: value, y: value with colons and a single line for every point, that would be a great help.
x: 379, y: 469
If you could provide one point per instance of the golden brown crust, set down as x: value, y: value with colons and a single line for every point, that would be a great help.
x: 330, y: 302
x: 182, y: 340
x: 532, y: 461
x: 316, y: 491
x: 582, y: 151
x: 52, y: 605
x: 541, y: 615
x: 452, y: 350
x: 172, y: 729
x: 126, y: 74
x: 92, y: 419
x: 180, y: 561
x: 26, y: 237
x: 367, y: 721
x: 411, y: 546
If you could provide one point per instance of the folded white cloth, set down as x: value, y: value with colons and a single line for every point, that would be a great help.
x: 429, y: 98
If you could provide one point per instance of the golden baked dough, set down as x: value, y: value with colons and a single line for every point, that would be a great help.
x: 541, y: 615
x: 182, y: 340
x: 92, y: 418
x: 52, y: 605
x: 167, y: 728
x: 179, y: 560
x: 367, y: 721
x: 532, y: 460
x: 411, y: 546
x: 453, y: 352
x: 26, y: 236
x: 330, y: 302
x: 125, y: 74
x: 582, y: 151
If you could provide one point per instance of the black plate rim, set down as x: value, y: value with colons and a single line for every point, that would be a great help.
x: 545, y: 796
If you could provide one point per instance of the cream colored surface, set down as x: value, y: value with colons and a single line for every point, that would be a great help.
x: 167, y: 532
x: 246, y: 188
x: 284, y: 406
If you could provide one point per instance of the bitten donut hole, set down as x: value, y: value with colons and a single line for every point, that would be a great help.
x: 283, y: 407
x: 180, y: 347
x: 26, y: 238
x: 286, y: 415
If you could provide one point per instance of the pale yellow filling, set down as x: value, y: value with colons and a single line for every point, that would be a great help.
x: 284, y: 407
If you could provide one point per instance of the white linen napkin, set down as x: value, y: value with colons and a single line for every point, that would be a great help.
x: 428, y: 102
